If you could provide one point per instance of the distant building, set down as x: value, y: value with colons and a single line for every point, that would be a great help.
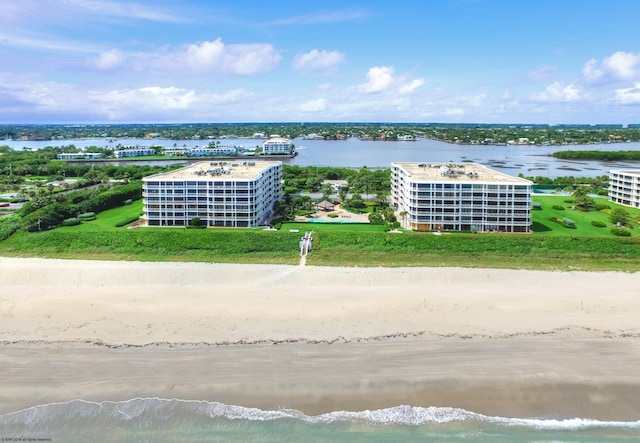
x: 238, y: 194
x: 134, y: 151
x: 175, y: 151
x: 212, y: 151
x: 336, y: 184
x: 624, y: 187
x: 78, y: 155
x: 459, y: 197
x: 276, y: 145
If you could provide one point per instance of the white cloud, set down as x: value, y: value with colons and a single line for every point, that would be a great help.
x: 590, y: 70
x: 381, y: 79
x: 43, y: 42
x: 317, y: 105
x: 122, y: 9
x: 205, y: 56
x: 215, y: 56
x: 152, y: 102
x: 378, y: 79
x: 555, y: 93
x: 107, y: 60
x: 477, y: 100
x: 143, y: 99
x: 31, y: 13
x: 317, y: 60
x: 629, y: 96
x: 619, y: 66
x: 410, y: 87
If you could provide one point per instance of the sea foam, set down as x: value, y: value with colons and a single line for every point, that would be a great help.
x: 147, y: 411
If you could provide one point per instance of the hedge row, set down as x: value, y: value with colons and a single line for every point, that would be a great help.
x: 87, y: 216
x: 83, y: 202
x: 8, y: 226
x: 71, y: 221
x: 126, y: 221
x: 621, y: 232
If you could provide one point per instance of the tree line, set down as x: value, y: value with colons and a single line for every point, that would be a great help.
x: 633, y: 155
x: 451, y: 133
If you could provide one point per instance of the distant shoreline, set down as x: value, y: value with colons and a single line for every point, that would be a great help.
x: 186, y: 160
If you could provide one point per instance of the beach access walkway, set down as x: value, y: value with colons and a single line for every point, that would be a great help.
x: 306, y: 243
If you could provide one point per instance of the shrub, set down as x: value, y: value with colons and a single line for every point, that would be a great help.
x: 598, y: 224
x: 601, y: 207
x: 558, y: 207
x: 196, y: 223
x: 621, y: 232
x: 126, y: 221
x: 619, y: 217
x: 568, y: 200
x: 536, y: 205
x: 569, y: 223
x: 9, y: 226
x: 332, y: 215
x: 71, y: 221
x: 87, y: 216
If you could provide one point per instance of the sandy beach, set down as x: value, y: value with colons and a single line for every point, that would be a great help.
x: 499, y: 342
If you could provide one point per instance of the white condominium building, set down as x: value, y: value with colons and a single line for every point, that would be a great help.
x: 459, y: 197
x: 212, y: 151
x: 138, y: 151
x: 624, y: 187
x: 78, y: 155
x: 277, y: 145
x: 234, y: 194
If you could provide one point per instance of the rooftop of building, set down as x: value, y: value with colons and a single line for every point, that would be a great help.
x: 208, y: 170
x: 634, y: 172
x: 277, y: 140
x: 456, y: 172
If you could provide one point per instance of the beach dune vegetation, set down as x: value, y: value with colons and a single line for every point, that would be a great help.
x: 332, y: 247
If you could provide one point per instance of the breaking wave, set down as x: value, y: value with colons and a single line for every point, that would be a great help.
x: 151, y: 410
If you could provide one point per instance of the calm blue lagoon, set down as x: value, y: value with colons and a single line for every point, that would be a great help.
x: 356, y: 153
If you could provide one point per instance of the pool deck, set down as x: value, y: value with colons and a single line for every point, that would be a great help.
x: 343, y: 216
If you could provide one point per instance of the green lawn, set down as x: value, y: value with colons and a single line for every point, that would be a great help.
x: 107, y: 220
x: 543, y: 225
x: 551, y: 246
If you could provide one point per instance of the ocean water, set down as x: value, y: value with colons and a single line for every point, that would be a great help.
x: 173, y: 420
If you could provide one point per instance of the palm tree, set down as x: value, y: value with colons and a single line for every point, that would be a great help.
x: 327, y: 190
x: 404, y: 215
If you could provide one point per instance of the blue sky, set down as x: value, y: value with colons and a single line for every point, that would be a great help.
x: 469, y: 61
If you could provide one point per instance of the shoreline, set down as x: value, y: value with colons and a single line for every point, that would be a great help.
x: 515, y: 378
x: 492, y: 341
